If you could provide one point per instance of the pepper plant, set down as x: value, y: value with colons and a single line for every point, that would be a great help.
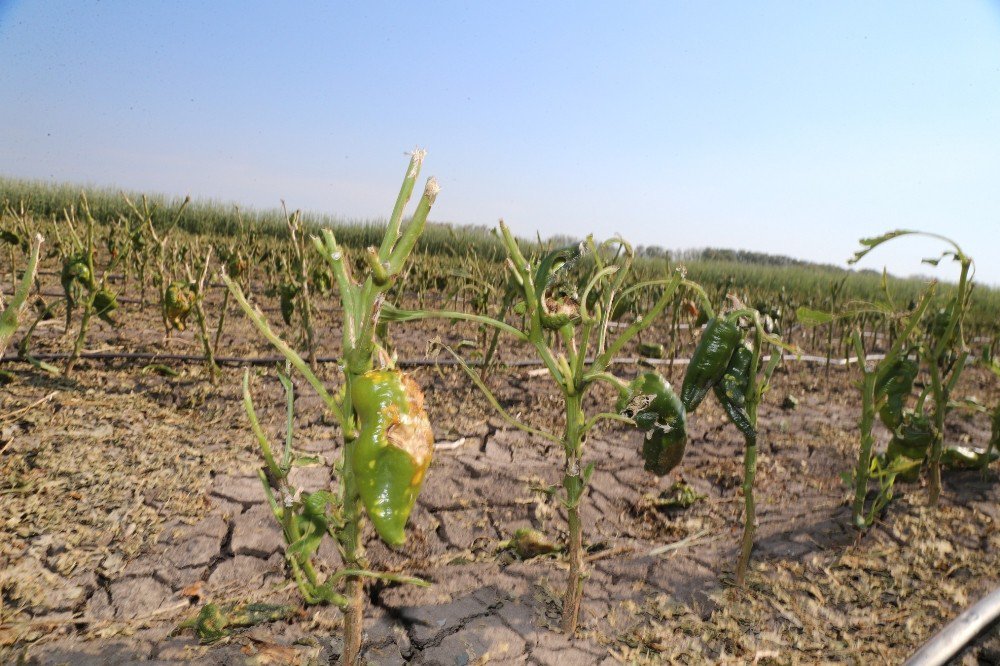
x: 885, y: 387
x: 296, y: 289
x: 565, y: 317
x: 734, y: 369
x: 388, y: 440
x: 196, y: 304
x: 176, y: 296
x: 80, y: 282
x: 10, y: 313
x: 943, y: 353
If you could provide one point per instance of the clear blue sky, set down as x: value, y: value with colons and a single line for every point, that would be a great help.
x: 791, y: 127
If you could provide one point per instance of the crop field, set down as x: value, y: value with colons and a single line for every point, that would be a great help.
x: 230, y: 437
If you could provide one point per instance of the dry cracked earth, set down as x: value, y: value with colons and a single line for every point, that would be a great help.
x: 130, y: 499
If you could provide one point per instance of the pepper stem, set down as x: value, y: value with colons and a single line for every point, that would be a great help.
x: 749, y: 510
x: 573, y: 483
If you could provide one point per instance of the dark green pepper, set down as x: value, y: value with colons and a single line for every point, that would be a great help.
x: 656, y: 409
x: 938, y: 323
x: 894, y: 383
x: 732, y: 388
x: 286, y: 299
x: 910, y: 440
x: 651, y: 350
x: 392, y: 451
x: 622, y: 306
x: 105, y: 303
x: 710, y: 360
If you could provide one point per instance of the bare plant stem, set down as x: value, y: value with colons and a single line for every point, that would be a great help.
x: 574, y: 581
x: 213, y: 368
x: 937, y: 444
x: 750, y: 507
x: 222, y: 322
x: 81, y: 336
x: 862, y: 472
x: 573, y: 483
x: 754, y: 392
x: 353, y: 554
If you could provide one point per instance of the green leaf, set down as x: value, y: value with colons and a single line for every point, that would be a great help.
x: 307, y: 461
x: 305, y: 546
x: 872, y: 243
x: 809, y: 317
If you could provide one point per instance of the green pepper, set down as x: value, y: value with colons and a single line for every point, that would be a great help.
x: 236, y: 265
x: 651, y: 350
x: 558, y: 301
x: 12, y: 238
x: 910, y: 440
x: 287, y: 293
x: 393, y: 449
x: 938, y: 322
x: 105, y: 303
x: 964, y: 457
x: 656, y: 409
x: 75, y: 272
x: 710, y: 360
x: 622, y: 306
x: 732, y: 388
x: 894, y: 383
x: 177, y: 302
x: 213, y: 623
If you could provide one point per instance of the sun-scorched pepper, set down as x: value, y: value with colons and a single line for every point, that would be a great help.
x: 177, y: 303
x: 656, y: 409
x: 393, y: 449
x: 732, y: 388
x: 558, y: 301
x: 710, y: 360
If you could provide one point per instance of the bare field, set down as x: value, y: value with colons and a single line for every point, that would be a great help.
x: 130, y: 498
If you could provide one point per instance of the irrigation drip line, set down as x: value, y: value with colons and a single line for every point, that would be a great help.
x: 950, y: 640
x: 404, y: 363
x: 336, y: 309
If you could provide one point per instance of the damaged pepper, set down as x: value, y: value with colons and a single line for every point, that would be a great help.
x: 710, y: 360
x: 732, y: 388
x: 393, y: 449
x: 558, y: 301
x: 910, y: 440
x: 656, y: 409
x: 177, y: 303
